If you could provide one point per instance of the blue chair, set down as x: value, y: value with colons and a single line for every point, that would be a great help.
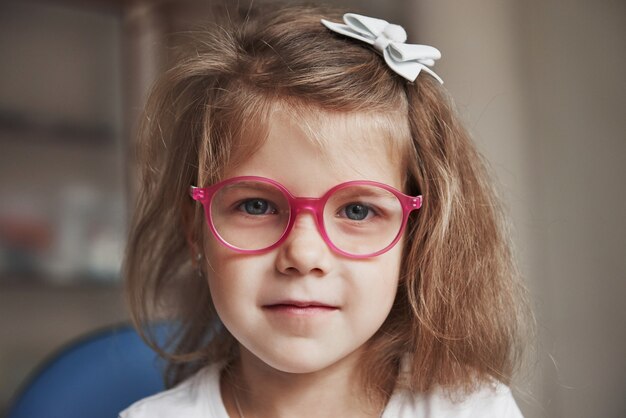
x: 96, y: 376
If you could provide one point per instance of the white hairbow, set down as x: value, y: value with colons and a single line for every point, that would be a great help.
x: 389, y: 39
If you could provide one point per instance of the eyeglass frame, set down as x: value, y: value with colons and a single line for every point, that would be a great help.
x: 298, y: 204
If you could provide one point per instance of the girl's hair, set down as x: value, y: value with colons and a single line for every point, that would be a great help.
x: 458, y: 310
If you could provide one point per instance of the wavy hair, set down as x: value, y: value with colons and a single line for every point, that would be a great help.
x: 459, y: 310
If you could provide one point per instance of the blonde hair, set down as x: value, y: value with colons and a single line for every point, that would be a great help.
x: 459, y: 307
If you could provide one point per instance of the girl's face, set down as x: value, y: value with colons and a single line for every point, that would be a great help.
x: 256, y: 296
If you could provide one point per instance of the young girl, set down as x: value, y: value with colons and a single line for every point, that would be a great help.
x: 320, y: 227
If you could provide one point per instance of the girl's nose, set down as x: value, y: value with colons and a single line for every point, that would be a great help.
x: 304, y: 251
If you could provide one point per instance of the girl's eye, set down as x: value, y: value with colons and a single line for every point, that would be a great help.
x: 357, y: 211
x: 256, y: 207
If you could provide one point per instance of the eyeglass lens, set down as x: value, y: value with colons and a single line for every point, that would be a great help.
x: 358, y: 219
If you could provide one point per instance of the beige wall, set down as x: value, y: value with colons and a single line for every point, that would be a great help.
x: 578, y: 102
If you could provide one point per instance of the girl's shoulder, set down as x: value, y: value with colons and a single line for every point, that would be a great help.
x: 196, y: 397
x: 489, y: 401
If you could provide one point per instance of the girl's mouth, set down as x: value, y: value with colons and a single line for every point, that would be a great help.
x: 300, y: 307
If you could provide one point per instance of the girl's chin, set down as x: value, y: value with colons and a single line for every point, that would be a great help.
x: 300, y: 362
x: 298, y: 367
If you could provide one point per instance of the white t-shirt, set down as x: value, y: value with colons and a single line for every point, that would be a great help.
x: 200, y: 397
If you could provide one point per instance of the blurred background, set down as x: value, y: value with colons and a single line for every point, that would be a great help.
x: 540, y: 83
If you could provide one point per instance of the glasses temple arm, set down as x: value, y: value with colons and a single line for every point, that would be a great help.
x: 196, y: 193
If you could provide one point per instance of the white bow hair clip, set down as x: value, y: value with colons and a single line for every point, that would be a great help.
x: 389, y: 40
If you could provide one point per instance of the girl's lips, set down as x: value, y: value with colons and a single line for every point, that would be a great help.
x: 300, y: 307
x: 301, y: 303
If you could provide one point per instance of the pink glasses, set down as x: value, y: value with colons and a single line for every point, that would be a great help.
x: 357, y: 219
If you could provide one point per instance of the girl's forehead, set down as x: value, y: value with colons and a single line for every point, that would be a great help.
x: 346, y: 145
x: 342, y: 135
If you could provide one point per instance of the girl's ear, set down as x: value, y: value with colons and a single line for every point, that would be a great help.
x: 191, y: 231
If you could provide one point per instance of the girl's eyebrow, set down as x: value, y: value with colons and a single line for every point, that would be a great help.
x: 249, y: 185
